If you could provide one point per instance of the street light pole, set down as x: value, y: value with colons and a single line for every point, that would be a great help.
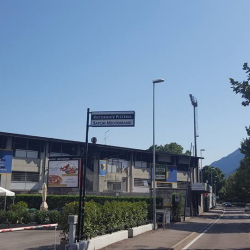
x: 154, y: 191
x: 212, y: 186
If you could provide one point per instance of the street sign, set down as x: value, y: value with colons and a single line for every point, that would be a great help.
x: 113, y: 119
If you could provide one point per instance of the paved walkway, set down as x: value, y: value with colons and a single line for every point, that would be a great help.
x: 174, y: 238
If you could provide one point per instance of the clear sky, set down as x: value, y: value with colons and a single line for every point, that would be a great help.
x: 58, y: 58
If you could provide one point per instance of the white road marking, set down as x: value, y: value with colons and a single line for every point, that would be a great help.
x: 209, y: 226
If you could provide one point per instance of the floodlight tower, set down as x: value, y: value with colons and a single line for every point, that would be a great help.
x: 195, y: 105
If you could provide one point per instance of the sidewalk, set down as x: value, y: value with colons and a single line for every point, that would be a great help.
x: 174, y: 238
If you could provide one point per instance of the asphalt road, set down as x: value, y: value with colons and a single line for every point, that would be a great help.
x: 231, y: 231
x: 30, y: 240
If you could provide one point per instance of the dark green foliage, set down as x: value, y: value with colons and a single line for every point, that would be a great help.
x: 109, y: 217
x: 3, y: 217
x: 237, y: 187
x: 41, y: 217
x: 54, y: 216
x: 58, y: 201
x: 171, y: 148
x: 20, y: 210
x: 242, y: 87
x: 12, y: 217
x: 218, y: 177
x: 177, y: 206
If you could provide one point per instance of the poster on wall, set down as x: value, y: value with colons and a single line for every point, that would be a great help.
x: 63, y: 174
x: 5, y: 161
x: 160, y: 172
x: 171, y: 174
x: 165, y: 173
x: 102, y: 167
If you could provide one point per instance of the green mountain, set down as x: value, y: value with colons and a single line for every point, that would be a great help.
x: 230, y: 163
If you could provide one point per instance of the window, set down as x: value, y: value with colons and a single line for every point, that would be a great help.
x: 2, y: 141
x: 164, y: 185
x: 139, y: 182
x: 140, y: 164
x: 27, y: 148
x: 114, y: 166
x: 63, y: 149
x: 18, y: 176
x: 116, y: 186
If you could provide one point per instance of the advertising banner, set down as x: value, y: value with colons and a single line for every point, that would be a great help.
x: 102, y: 167
x: 171, y: 174
x: 6, y: 161
x: 64, y: 174
x: 165, y: 173
x: 160, y: 172
x: 113, y: 119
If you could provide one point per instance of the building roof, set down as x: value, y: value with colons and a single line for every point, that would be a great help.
x: 90, y: 144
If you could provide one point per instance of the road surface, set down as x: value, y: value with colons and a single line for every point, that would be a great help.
x: 231, y: 231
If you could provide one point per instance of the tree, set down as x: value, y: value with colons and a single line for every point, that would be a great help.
x: 237, y: 187
x: 217, y: 176
x: 171, y: 148
x: 242, y: 87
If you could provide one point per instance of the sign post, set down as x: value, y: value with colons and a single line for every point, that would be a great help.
x: 98, y: 119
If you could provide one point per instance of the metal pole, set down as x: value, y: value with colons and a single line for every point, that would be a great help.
x: 154, y: 193
x: 85, y: 171
x: 212, y: 187
x: 201, y: 169
x: 185, y: 205
x: 82, y: 187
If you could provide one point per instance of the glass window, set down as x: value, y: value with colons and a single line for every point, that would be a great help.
x: 18, y: 176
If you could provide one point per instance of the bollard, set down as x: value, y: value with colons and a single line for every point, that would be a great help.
x: 72, y: 220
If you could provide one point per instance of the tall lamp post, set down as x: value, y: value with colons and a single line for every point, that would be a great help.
x: 154, y: 191
x: 201, y: 150
x: 212, y: 186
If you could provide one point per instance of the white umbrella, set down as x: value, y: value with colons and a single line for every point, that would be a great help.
x: 44, y: 205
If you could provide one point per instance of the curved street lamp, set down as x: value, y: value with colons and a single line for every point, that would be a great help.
x: 154, y: 191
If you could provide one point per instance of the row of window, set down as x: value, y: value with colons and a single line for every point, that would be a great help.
x: 19, y: 176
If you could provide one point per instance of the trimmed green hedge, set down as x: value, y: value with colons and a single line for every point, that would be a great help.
x: 109, y: 217
x: 25, y: 217
x: 57, y: 201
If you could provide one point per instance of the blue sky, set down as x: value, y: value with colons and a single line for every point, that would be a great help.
x: 59, y: 58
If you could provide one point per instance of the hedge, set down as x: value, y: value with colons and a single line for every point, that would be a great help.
x: 106, y: 218
x: 25, y: 217
x: 59, y: 201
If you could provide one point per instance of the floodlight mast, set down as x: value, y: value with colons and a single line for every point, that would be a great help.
x: 195, y: 105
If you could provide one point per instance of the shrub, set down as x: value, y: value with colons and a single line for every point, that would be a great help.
x: 177, y: 206
x: 57, y: 201
x: 25, y: 217
x: 69, y: 209
x: 3, y: 217
x: 20, y: 209
x: 41, y: 217
x: 110, y: 217
x: 54, y: 216
x: 12, y: 217
x: 19, y: 206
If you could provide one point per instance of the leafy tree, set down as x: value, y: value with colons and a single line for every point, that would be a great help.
x: 171, y: 148
x: 237, y: 187
x: 242, y: 88
x: 217, y: 176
